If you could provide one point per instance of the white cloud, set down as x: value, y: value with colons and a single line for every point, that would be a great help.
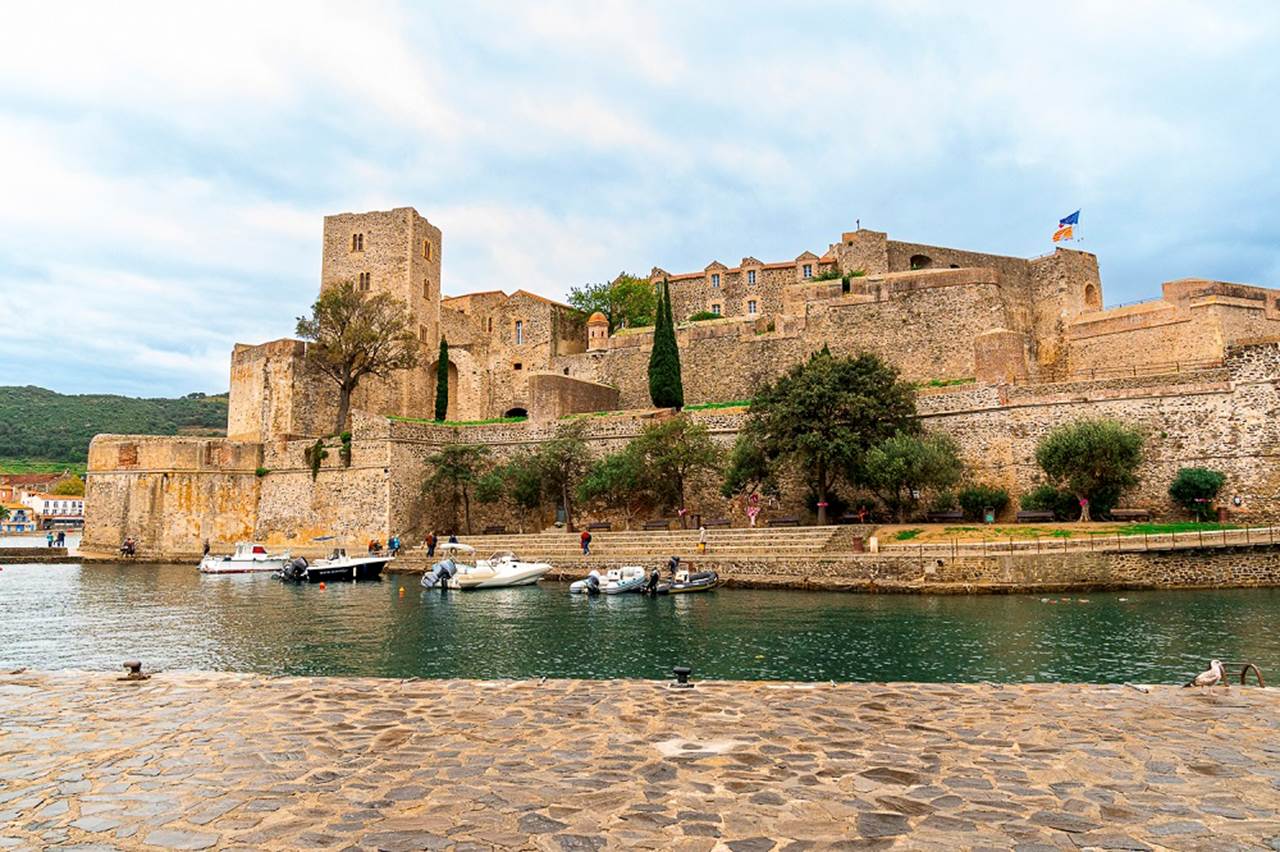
x: 164, y: 168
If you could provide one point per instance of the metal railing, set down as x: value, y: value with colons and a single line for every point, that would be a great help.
x: 1108, y: 542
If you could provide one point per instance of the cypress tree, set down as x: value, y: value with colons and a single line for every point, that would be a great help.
x: 442, y: 381
x: 665, y: 387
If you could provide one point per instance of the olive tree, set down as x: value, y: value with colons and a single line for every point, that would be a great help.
x: 454, y: 472
x: 1095, y: 460
x: 902, y: 467
x: 356, y: 335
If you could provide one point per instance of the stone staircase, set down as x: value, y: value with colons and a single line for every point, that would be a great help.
x: 646, y: 546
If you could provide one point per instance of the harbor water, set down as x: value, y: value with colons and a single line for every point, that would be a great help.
x: 171, y: 617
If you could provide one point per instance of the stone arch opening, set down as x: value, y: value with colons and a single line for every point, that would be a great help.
x: 1091, y: 298
x: 921, y: 261
x: 516, y: 412
x: 452, y: 413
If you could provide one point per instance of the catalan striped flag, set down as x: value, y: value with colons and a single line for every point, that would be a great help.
x: 1066, y: 227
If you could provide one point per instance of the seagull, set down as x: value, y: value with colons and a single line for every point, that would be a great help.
x: 1210, y: 678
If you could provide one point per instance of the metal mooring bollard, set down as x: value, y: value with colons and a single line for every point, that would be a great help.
x: 682, y: 677
x: 133, y: 670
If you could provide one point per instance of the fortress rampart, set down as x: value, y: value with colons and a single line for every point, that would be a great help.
x: 1022, y: 345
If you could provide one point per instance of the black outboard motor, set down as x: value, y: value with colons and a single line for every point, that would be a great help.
x: 296, y: 570
x: 593, y: 583
x: 439, y: 573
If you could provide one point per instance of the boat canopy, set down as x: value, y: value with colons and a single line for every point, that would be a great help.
x: 455, y: 547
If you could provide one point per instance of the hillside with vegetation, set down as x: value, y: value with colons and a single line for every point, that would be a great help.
x: 44, y: 430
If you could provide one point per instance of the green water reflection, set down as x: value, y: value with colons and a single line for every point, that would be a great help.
x: 65, y: 616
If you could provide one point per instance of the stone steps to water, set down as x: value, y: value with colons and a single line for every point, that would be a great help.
x: 660, y: 544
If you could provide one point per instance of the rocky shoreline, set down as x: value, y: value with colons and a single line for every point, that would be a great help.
x: 223, y: 761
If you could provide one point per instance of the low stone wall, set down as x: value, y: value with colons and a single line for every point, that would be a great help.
x: 1183, y: 569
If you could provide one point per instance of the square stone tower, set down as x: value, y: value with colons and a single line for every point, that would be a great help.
x: 397, y: 252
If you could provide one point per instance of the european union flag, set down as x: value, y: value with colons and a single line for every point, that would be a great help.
x: 1073, y: 219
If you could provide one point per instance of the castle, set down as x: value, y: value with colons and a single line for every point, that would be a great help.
x: 990, y: 340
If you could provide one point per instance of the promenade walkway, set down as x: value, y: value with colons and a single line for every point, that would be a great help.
x: 225, y: 761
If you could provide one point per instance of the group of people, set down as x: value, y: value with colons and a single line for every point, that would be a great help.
x: 129, y: 547
x: 431, y: 541
x: 60, y: 540
x: 393, y: 546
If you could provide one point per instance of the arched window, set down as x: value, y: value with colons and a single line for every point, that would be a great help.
x: 516, y: 412
x: 364, y: 282
x: 1091, y: 299
x: 426, y: 289
x: 357, y: 242
x: 921, y: 261
x: 426, y: 249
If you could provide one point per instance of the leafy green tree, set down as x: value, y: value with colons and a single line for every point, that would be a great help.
x: 1195, y: 489
x: 516, y: 484
x: 904, y: 466
x: 674, y: 451
x: 618, y: 482
x: 823, y: 415
x: 442, y: 381
x: 627, y: 301
x: 974, y: 499
x: 455, y: 470
x: 355, y: 336
x: 700, y: 316
x: 1045, y: 498
x: 665, y: 387
x: 748, y: 469
x: 70, y: 486
x: 4, y: 513
x: 562, y: 463
x: 1095, y: 460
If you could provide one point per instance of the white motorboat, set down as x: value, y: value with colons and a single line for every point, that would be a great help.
x: 338, y: 567
x: 460, y: 570
x: 615, y: 581
x: 248, y: 557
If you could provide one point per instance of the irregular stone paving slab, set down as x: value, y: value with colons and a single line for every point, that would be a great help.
x: 227, y: 761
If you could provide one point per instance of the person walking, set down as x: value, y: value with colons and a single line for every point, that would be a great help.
x: 62, y: 538
x: 48, y: 539
x: 586, y: 543
x: 431, y: 544
x: 206, y: 549
x: 702, y: 538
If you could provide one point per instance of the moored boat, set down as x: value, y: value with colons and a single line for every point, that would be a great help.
x: 692, y: 581
x: 338, y: 567
x: 615, y: 581
x: 459, y: 570
x: 248, y: 557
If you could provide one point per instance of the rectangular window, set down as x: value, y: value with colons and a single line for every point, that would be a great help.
x: 491, y: 325
x: 517, y: 366
x: 426, y: 249
x: 808, y: 270
x: 715, y: 309
x: 715, y: 279
x: 426, y: 289
x: 751, y: 306
x: 751, y: 276
x: 519, y: 332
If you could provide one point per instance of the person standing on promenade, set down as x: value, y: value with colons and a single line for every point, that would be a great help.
x: 586, y: 543
x: 453, y: 538
x: 48, y: 538
x: 431, y: 543
x: 702, y: 538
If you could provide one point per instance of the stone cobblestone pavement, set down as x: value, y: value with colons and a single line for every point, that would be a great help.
x: 226, y: 761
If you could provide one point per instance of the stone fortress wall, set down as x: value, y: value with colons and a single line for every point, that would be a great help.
x: 176, y: 492
x: 1027, y: 338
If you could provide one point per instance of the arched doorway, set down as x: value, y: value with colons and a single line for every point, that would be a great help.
x: 516, y: 412
x: 921, y: 261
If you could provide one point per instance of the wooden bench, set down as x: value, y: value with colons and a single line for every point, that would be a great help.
x: 1130, y: 514
x: 1027, y: 517
x: 853, y: 518
x: 599, y: 526
x: 791, y: 521
x: 717, y: 522
x: 497, y: 529
x: 945, y: 517
x: 658, y: 524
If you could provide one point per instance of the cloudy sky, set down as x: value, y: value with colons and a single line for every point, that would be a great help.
x: 164, y: 168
